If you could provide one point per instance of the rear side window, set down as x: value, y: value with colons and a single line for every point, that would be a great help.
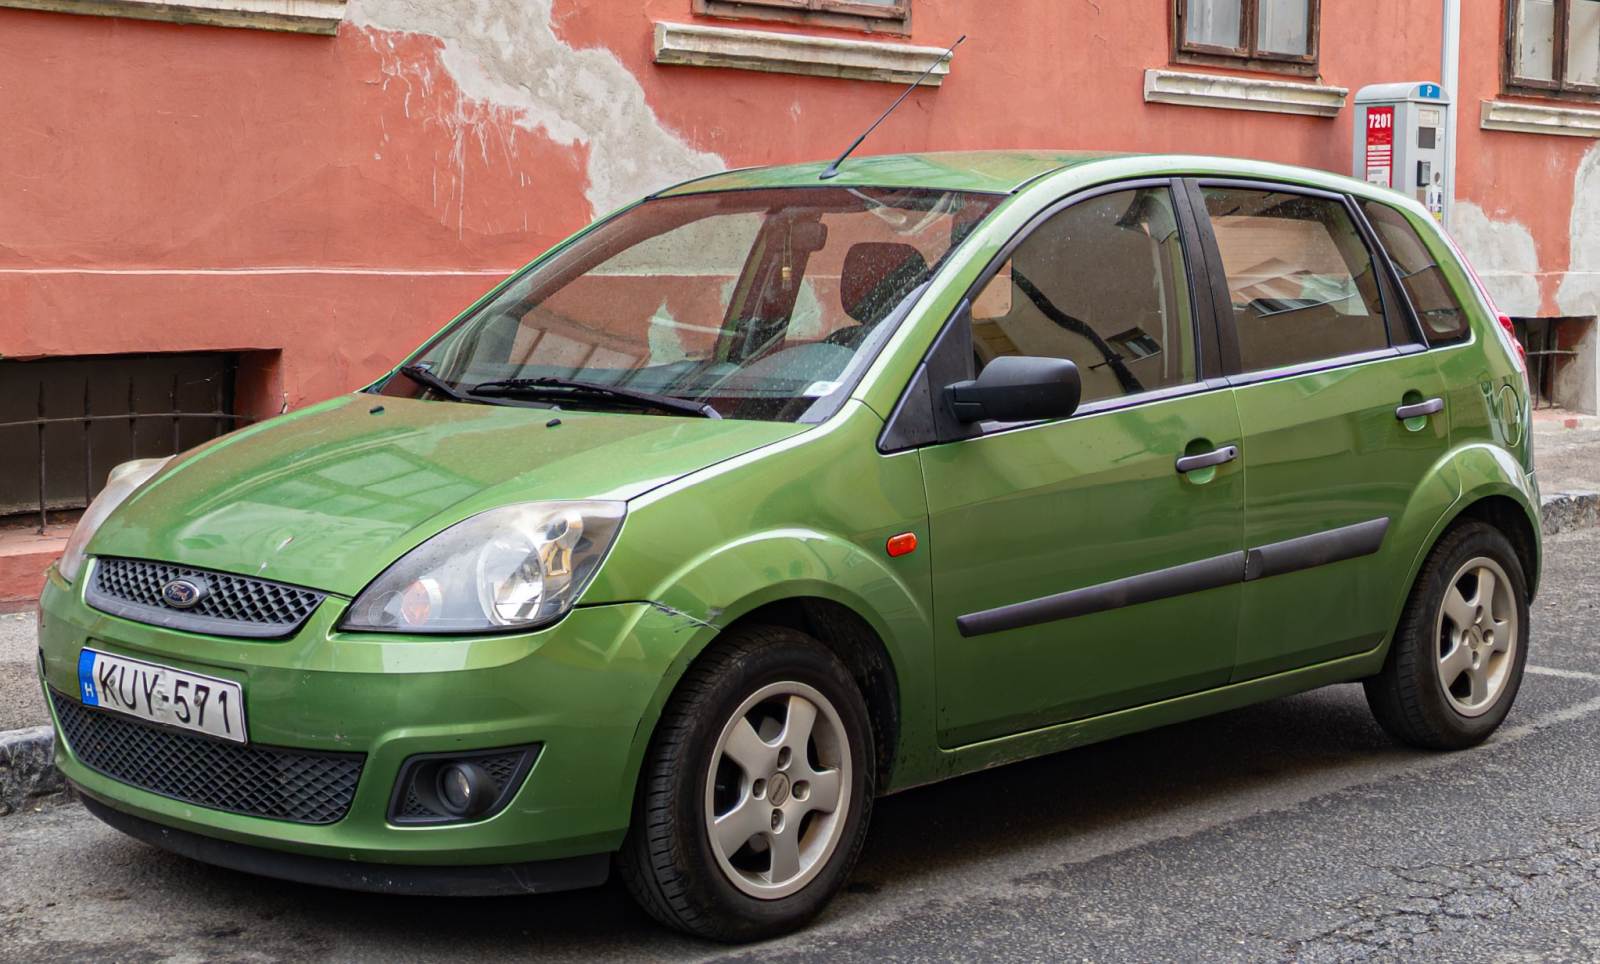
x: 1299, y: 276
x: 1440, y: 311
x: 1103, y: 283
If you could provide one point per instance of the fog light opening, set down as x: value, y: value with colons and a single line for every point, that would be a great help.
x: 465, y: 789
x: 458, y: 787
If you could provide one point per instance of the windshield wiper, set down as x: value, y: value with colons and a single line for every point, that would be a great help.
x: 551, y: 386
x: 422, y: 376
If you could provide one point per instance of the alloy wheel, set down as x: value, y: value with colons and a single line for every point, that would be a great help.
x: 778, y: 790
x: 1477, y: 636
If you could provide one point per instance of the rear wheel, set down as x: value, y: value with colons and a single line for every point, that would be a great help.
x: 1458, y: 654
x: 756, y: 792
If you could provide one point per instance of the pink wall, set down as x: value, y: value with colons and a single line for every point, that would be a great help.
x: 191, y: 188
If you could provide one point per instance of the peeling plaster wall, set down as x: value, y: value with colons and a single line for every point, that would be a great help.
x: 337, y: 199
x: 1505, y: 257
x: 504, y: 54
x: 1579, y: 293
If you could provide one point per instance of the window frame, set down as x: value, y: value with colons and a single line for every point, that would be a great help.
x: 1248, y: 55
x: 847, y: 14
x: 950, y: 355
x: 1399, y: 326
x: 1513, y: 83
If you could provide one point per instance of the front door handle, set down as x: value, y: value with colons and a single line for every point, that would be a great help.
x: 1432, y: 406
x: 1189, y: 463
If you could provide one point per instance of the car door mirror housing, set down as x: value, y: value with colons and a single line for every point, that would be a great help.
x: 1017, y: 388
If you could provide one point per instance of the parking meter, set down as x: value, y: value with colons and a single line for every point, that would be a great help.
x: 1400, y: 140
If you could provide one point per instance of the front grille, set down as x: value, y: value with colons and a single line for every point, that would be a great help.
x: 229, y: 605
x: 301, y: 786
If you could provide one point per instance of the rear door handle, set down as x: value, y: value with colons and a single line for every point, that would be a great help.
x: 1432, y: 406
x: 1189, y: 463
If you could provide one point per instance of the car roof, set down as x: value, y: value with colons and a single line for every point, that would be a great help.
x: 1007, y: 172
x: 996, y: 172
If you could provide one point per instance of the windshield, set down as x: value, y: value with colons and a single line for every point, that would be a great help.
x: 763, y: 304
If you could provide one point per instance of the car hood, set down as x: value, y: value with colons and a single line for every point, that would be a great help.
x: 329, y: 496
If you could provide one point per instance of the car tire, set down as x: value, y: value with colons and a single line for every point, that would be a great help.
x: 727, y: 758
x: 1457, y: 658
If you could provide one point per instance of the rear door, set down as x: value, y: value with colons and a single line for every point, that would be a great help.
x: 1342, y: 413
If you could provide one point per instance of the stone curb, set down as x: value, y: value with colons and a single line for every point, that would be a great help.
x: 29, y: 779
x: 1565, y: 511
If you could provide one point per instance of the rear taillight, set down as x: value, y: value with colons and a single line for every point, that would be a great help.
x: 1511, y: 335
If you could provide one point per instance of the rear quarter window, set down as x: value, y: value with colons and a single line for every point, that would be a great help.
x: 1443, y: 318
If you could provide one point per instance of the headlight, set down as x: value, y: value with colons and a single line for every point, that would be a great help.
x: 515, y: 566
x: 121, y: 483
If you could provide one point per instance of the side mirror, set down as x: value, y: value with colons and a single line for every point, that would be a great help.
x: 1017, y: 388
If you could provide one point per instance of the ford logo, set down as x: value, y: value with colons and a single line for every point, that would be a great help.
x: 183, y: 593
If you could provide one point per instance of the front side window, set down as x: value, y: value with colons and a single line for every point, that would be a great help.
x: 1440, y: 311
x: 1554, y: 46
x: 1272, y: 34
x: 1300, y: 278
x: 761, y: 304
x: 1103, y: 283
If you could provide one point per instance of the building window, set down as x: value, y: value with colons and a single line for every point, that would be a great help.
x: 1276, y: 35
x: 877, y: 16
x: 1553, y: 47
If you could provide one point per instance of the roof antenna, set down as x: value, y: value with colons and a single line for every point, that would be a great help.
x: 833, y: 169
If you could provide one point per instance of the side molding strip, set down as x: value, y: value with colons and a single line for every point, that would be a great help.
x: 1317, y: 549
x: 1273, y: 559
x: 1145, y: 587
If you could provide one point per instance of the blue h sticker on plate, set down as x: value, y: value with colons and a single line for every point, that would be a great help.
x: 86, y: 678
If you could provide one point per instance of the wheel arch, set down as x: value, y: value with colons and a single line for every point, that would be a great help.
x: 858, y: 646
x: 1494, y: 489
x: 872, y: 614
x: 1473, y: 482
x: 1511, y: 518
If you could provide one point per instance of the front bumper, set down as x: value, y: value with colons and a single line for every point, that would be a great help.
x: 579, y: 689
x: 486, y: 880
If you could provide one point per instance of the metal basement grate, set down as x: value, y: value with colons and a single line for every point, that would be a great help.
x: 229, y: 605
x: 301, y: 786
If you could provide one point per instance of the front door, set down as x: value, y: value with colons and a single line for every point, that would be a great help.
x: 1076, y: 570
x: 1327, y: 365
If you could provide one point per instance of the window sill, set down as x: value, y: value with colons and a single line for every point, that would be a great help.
x: 1503, y: 115
x: 295, y: 16
x: 1263, y: 65
x: 1230, y: 92
x: 694, y: 45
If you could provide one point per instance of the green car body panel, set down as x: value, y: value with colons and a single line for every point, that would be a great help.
x: 734, y: 519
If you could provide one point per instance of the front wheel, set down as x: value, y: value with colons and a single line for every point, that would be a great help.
x: 1457, y: 658
x: 756, y: 792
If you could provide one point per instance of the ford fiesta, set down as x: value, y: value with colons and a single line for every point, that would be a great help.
x: 773, y: 493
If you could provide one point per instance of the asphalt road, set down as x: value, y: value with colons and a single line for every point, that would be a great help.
x: 1291, y: 830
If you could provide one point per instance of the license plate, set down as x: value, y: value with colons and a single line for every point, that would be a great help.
x: 161, y: 694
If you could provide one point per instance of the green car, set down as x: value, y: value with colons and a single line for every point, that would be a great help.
x: 774, y: 493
